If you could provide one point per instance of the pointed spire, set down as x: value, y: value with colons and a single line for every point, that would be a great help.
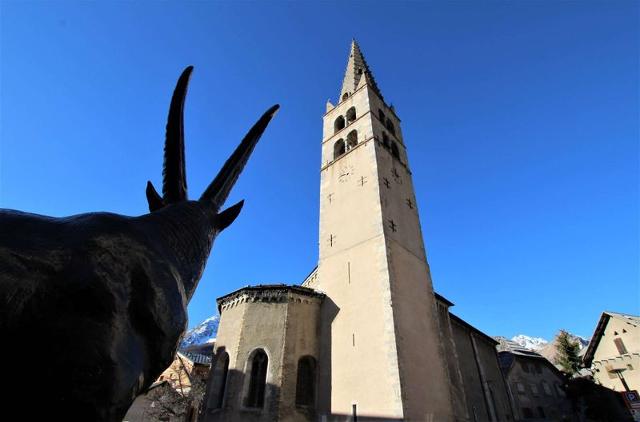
x: 356, y: 67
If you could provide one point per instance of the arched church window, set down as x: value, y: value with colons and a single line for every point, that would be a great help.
x: 306, y: 383
x: 390, y: 126
x: 351, y: 115
x: 352, y: 139
x: 338, y: 124
x: 381, y: 116
x: 394, y: 150
x: 338, y: 148
x: 385, y: 140
x: 220, y: 379
x: 257, y: 372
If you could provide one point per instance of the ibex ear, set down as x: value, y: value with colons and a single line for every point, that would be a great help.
x: 153, y: 198
x: 228, y: 216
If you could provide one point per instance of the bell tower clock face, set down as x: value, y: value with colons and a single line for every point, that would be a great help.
x: 345, y: 173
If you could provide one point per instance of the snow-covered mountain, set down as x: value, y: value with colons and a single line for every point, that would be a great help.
x: 547, y: 349
x: 582, y: 342
x: 532, y: 343
x: 204, y: 333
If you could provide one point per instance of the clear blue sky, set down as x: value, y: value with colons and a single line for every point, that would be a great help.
x: 521, y: 120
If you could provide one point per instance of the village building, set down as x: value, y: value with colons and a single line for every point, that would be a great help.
x: 614, y: 352
x: 363, y: 337
x: 536, y: 386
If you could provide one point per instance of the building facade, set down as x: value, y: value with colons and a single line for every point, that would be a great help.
x: 614, y: 352
x: 536, y: 386
x: 364, y: 337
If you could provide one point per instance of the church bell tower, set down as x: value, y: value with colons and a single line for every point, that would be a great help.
x: 381, y: 356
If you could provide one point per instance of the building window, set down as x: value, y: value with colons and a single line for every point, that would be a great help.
x: 352, y: 139
x: 534, y: 389
x: 345, y: 96
x: 546, y: 388
x: 381, y: 116
x: 394, y: 150
x: 541, y: 412
x: 520, y: 388
x: 620, y: 345
x: 339, y: 124
x: 306, y: 383
x: 385, y: 140
x: 527, y: 413
x: 220, y: 379
x: 351, y: 115
x: 338, y: 148
x: 257, y: 372
x: 390, y: 127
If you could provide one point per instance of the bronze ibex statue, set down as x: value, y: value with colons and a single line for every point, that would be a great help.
x: 92, y: 306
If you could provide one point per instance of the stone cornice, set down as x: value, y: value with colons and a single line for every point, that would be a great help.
x: 270, y: 293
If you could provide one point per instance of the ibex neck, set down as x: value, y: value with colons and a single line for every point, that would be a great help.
x: 187, y: 232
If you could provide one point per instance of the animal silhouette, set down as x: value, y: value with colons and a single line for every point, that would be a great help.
x: 93, y: 306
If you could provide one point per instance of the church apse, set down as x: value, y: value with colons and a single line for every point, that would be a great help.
x: 265, y: 361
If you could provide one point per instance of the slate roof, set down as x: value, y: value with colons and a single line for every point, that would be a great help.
x: 198, y: 358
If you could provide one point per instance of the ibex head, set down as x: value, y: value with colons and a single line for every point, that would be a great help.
x: 174, y: 183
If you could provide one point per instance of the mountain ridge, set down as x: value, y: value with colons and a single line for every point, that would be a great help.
x: 203, y: 333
